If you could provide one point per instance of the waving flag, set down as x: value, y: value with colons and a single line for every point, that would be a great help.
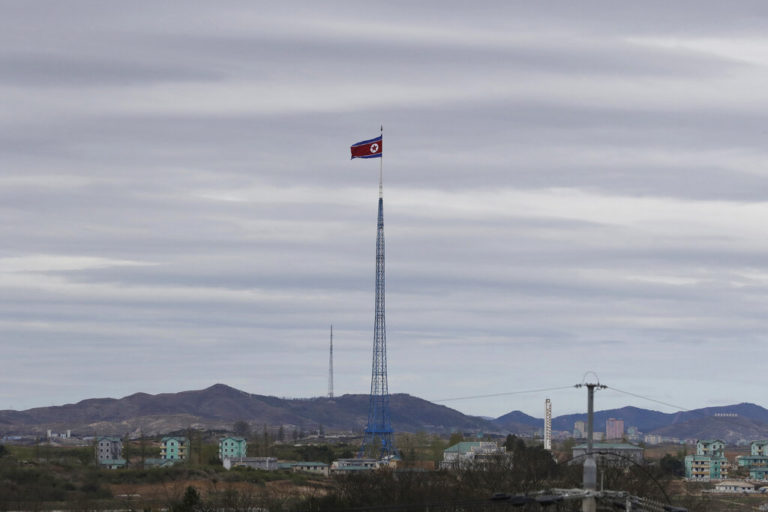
x: 367, y: 148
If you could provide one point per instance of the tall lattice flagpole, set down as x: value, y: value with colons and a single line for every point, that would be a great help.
x: 379, y: 436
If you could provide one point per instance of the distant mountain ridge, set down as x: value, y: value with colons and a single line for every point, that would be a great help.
x: 219, y: 406
x: 726, y: 428
x: 729, y: 423
x: 650, y: 421
x: 644, y: 419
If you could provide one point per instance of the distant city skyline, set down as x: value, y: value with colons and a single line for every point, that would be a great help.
x: 568, y: 188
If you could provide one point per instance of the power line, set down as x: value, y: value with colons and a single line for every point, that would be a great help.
x: 559, y: 388
x: 698, y: 413
x: 542, y: 390
x: 683, y: 409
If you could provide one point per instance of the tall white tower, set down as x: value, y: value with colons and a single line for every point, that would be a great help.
x: 548, y: 424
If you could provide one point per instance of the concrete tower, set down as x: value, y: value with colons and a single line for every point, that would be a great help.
x: 547, y: 424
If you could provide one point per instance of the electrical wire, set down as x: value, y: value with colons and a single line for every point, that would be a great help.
x: 699, y: 413
x: 502, y: 394
x: 683, y: 409
x: 559, y: 388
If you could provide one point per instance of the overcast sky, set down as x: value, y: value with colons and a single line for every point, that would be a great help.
x: 568, y: 187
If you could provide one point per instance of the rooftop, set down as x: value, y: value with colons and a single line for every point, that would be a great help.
x: 609, y: 446
x: 466, y: 446
x: 174, y: 438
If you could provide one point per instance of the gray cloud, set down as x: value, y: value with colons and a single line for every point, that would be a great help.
x: 567, y: 188
x: 50, y: 71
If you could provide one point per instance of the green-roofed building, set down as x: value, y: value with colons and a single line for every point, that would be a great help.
x: 752, y: 461
x: 355, y: 465
x: 113, y: 463
x: 470, y: 452
x: 759, y: 448
x: 713, y: 447
x: 758, y: 457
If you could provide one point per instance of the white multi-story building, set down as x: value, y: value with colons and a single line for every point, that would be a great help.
x: 109, y: 452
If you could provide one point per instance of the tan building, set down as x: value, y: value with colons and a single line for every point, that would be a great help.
x: 734, y: 486
x: 320, y: 468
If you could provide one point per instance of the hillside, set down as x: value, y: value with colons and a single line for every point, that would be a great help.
x: 219, y: 406
x: 750, y: 422
x: 713, y: 427
x: 518, y: 422
x: 644, y: 419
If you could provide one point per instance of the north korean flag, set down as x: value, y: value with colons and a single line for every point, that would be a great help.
x: 367, y: 148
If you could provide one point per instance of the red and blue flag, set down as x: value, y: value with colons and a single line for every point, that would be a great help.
x: 367, y: 148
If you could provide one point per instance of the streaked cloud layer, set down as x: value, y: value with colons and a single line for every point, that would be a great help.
x: 567, y: 188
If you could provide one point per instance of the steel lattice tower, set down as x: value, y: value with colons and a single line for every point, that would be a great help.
x: 379, y: 437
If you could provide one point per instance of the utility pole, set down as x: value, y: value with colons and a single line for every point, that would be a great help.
x: 590, y: 466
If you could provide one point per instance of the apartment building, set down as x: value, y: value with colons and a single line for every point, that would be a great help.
x: 174, y: 448
x: 709, y: 463
x: 232, y: 448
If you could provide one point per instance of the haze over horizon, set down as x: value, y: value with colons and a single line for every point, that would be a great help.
x: 567, y: 187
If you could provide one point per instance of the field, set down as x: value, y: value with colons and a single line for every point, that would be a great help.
x: 47, y: 477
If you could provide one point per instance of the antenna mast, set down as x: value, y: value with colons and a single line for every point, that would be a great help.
x: 330, y: 368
